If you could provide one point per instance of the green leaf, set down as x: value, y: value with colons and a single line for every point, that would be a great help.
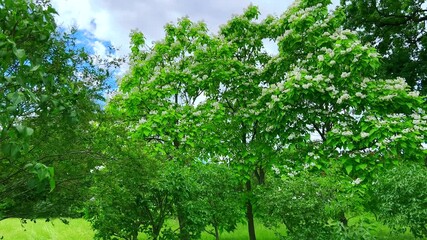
x: 19, y: 53
x: 25, y: 131
x: 349, y: 168
x: 35, y: 68
x: 20, y: 128
x: 362, y: 166
x: 28, y: 131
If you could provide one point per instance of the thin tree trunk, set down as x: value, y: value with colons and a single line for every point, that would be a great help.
x: 250, y: 214
x: 183, y: 233
x: 216, y: 233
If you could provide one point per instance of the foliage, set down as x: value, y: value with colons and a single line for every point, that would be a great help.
x: 122, y: 201
x: 49, y: 90
x: 399, y: 198
x: 194, y: 96
x: 397, y: 30
x: 138, y: 190
x: 330, y: 89
x: 219, y: 196
x: 304, y: 204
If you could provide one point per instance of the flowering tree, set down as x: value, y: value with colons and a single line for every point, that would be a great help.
x: 330, y: 89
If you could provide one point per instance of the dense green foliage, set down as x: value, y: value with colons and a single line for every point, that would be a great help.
x: 48, y: 90
x: 399, y: 198
x: 397, y: 30
x: 209, y: 131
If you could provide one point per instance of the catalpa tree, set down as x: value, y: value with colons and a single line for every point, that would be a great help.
x: 328, y: 87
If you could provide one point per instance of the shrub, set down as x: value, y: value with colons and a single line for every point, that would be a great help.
x: 399, y: 198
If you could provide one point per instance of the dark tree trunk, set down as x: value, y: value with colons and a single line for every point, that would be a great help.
x: 250, y: 214
x: 216, y: 233
x: 156, y: 231
x: 183, y: 232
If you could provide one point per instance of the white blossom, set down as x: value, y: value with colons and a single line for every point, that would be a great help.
x: 291, y: 136
x: 364, y: 134
x: 275, y: 169
x: 142, y: 120
x: 345, y: 96
x: 414, y: 94
x: 347, y: 133
x: 275, y: 98
x: 388, y: 97
x: 361, y: 95
x: 306, y: 86
x: 357, y: 181
x: 345, y: 74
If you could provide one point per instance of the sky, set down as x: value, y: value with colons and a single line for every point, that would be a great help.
x: 112, y: 20
x: 104, y: 23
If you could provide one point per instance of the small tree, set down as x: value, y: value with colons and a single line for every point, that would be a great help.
x: 220, y: 197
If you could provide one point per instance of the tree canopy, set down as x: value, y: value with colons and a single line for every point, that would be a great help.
x: 397, y: 30
x: 49, y: 90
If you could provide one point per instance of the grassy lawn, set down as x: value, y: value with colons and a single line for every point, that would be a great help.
x: 79, y: 229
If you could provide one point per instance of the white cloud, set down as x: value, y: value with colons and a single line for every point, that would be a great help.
x: 99, y: 49
x: 112, y: 20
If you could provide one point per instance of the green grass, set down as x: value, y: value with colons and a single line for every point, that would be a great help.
x: 79, y: 229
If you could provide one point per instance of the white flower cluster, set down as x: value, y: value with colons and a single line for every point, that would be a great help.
x: 343, y: 97
x: 345, y: 74
x: 303, y: 13
x: 365, y: 82
x: 361, y: 95
x: 275, y: 98
x: 396, y: 84
x: 364, y: 134
x: 356, y: 181
x: 307, y: 85
x: 291, y: 136
x: 308, y: 165
x: 414, y: 94
x: 332, y: 89
x: 347, y: 133
x: 321, y: 24
x: 275, y: 169
x: 387, y: 97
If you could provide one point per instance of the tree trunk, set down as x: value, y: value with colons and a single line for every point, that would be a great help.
x: 134, y: 236
x: 156, y: 231
x: 183, y: 233
x: 216, y: 233
x: 250, y: 214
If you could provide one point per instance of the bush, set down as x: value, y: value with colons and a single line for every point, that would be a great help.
x: 312, y: 206
x: 301, y: 203
x: 399, y: 198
